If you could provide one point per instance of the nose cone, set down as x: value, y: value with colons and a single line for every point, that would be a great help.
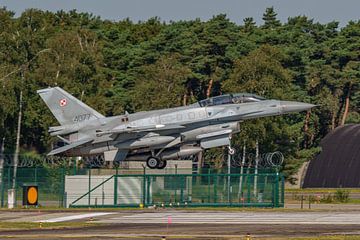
x: 289, y: 106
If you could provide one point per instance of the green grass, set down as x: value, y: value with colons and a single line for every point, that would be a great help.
x: 193, y: 209
x: 33, y: 225
x: 320, y: 190
x: 334, y: 237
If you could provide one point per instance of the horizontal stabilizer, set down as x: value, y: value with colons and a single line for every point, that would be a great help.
x: 70, y: 146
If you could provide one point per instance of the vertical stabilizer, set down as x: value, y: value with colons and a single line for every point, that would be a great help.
x: 66, y: 108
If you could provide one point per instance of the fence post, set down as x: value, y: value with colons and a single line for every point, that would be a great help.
x: 74, y: 168
x: 276, y: 192
x: 148, y: 190
x: 8, y: 184
x: 215, y: 188
x: 116, y: 186
x: 209, y: 185
x: 62, y: 193
x: 89, y: 200
x: 282, y: 191
x: 144, y: 186
x: 2, y: 186
x: 35, y: 174
x: 248, y: 188
x: 9, y: 177
x: 183, y: 179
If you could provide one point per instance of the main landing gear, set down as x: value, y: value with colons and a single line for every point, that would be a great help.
x: 156, y: 163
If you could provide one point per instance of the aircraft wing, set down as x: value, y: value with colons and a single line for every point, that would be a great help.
x: 70, y: 146
x: 129, y: 129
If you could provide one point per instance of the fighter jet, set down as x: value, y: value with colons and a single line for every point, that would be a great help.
x: 158, y: 135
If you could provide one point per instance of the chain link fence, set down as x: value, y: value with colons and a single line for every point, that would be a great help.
x: 69, y: 186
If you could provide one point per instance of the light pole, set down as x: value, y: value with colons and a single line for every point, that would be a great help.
x: 242, y: 171
x: 17, y: 149
x: 12, y: 192
x: 256, y: 168
x: 231, y: 151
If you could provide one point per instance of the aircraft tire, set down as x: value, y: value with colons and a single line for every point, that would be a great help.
x: 152, y: 162
x: 162, y: 164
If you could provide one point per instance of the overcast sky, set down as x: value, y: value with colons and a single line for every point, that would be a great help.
x: 320, y: 10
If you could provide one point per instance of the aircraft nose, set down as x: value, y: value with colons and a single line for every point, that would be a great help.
x: 290, y: 106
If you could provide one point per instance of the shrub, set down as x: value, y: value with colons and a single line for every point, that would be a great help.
x: 342, y: 195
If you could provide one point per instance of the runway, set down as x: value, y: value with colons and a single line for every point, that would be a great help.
x: 74, y: 217
x: 192, y: 217
x: 177, y: 217
x: 182, y: 224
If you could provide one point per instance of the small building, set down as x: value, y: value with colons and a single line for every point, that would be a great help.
x: 338, y: 164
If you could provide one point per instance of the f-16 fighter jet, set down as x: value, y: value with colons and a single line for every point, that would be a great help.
x: 158, y: 135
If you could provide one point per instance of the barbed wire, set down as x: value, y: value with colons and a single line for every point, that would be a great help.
x: 27, y: 161
x: 272, y: 159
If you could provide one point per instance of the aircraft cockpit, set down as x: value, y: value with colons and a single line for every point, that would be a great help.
x: 230, y: 99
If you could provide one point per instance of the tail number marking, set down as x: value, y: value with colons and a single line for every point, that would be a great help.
x: 82, y: 117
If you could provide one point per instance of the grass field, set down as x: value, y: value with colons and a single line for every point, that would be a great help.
x: 336, y: 237
x: 34, y: 225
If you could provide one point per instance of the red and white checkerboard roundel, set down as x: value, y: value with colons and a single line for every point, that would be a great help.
x: 63, y: 102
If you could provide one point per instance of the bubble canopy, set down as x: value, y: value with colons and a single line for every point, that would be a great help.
x: 230, y: 99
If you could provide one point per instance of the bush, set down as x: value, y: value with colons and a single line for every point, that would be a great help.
x: 342, y: 195
x: 329, y: 198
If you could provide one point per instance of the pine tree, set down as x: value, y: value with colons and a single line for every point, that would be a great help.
x: 269, y: 18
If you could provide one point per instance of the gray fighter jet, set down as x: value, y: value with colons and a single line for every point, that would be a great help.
x: 159, y: 135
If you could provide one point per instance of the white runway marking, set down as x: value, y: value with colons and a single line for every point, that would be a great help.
x: 239, y: 218
x: 74, y: 217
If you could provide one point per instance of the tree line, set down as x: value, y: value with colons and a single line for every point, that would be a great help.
x: 118, y: 66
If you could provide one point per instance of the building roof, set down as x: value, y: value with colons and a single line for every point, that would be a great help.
x: 338, y: 164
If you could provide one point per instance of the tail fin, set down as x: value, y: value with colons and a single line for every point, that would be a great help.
x: 66, y: 108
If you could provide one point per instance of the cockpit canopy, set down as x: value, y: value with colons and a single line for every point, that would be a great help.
x: 230, y: 99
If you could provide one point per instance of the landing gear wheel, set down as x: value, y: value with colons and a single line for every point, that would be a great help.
x: 231, y: 151
x: 162, y: 164
x: 152, y: 162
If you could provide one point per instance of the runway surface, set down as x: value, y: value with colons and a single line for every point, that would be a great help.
x: 236, y: 218
x: 181, y: 224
